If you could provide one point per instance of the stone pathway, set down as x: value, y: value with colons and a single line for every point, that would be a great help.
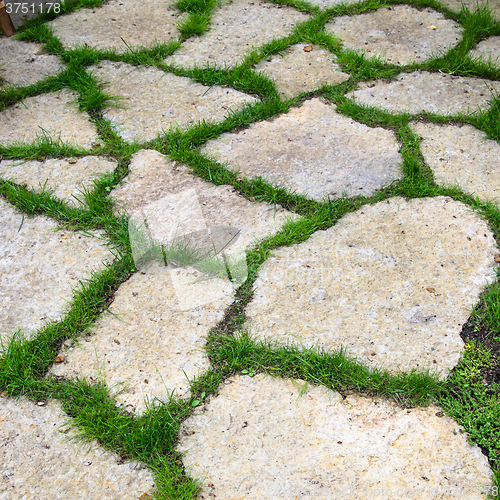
x: 392, y: 282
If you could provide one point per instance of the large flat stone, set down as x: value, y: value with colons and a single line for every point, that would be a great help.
x: 39, y: 269
x: 432, y: 92
x: 164, y: 101
x: 119, y: 25
x: 313, y: 150
x: 462, y: 155
x: 393, y: 283
x: 488, y: 51
x: 472, y: 5
x: 236, y: 28
x: 399, y: 34
x: 39, y: 460
x: 263, y: 438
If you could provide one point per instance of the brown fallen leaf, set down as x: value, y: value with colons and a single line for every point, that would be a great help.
x: 431, y: 290
x: 145, y: 496
x: 59, y: 359
x: 308, y: 48
x: 497, y: 258
x: 431, y: 27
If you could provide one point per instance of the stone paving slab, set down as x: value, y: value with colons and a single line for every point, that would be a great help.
x: 461, y: 155
x: 39, y: 460
x: 165, y: 100
x: 263, y: 438
x: 488, y: 50
x: 55, y: 114
x: 393, y: 283
x: 432, y: 92
x: 39, y: 268
x: 472, y: 5
x: 302, y: 68
x: 237, y: 27
x: 66, y: 177
x: 399, y: 34
x: 313, y: 150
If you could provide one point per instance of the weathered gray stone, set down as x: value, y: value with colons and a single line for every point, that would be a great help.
x: 488, y: 51
x: 301, y: 69
x: 399, y: 34
x: 119, y: 25
x: 24, y: 63
x: 393, y: 283
x: 165, y: 100
x: 313, y: 150
x: 54, y: 114
x: 39, y: 460
x: 237, y: 27
x: 432, y: 92
x: 65, y: 177
x: 263, y: 438
x: 39, y: 269
x: 462, y: 155
x: 473, y: 5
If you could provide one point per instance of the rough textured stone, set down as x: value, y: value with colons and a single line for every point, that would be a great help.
x: 54, y: 114
x: 313, y: 150
x: 462, y: 155
x: 299, y: 70
x: 488, y: 50
x: 262, y: 438
x: 399, y: 34
x: 237, y: 27
x: 39, y: 268
x: 432, y: 92
x: 393, y: 283
x: 472, y: 5
x: 65, y: 177
x: 39, y: 460
x: 24, y: 63
x: 118, y: 25
x: 165, y: 100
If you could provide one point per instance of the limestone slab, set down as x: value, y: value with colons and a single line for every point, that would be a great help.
x: 393, y: 283
x: 24, y: 63
x: 302, y: 68
x: 119, y: 25
x: 488, y: 51
x: 472, y: 5
x: 39, y: 268
x: 165, y: 100
x: 66, y: 177
x: 462, y: 155
x: 313, y: 150
x: 399, y: 34
x: 39, y: 460
x: 54, y: 114
x: 263, y: 438
x: 432, y: 92
x: 237, y: 27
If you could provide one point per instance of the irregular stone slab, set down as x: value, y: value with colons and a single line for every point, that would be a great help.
x: 472, y: 5
x: 54, y: 114
x: 237, y: 27
x: 24, y: 63
x: 119, y: 25
x: 39, y: 269
x: 313, y: 150
x: 263, y: 438
x: 301, y: 69
x: 165, y: 100
x: 461, y: 155
x: 399, y: 34
x: 393, y: 283
x: 66, y: 177
x: 39, y: 460
x: 488, y: 51
x: 432, y: 92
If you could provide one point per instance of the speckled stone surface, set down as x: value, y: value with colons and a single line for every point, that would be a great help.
x: 39, y: 268
x: 488, y: 50
x: 165, y: 100
x: 119, y: 24
x: 399, y: 34
x: 66, y: 177
x: 472, y: 5
x: 432, y: 92
x: 237, y: 27
x: 24, y: 63
x: 462, y: 156
x: 393, y: 283
x: 313, y: 150
x: 302, y: 68
x: 39, y: 460
x: 55, y: 114
x: 263, y: 438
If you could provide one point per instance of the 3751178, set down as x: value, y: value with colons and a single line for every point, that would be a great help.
x: 32, y: 7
